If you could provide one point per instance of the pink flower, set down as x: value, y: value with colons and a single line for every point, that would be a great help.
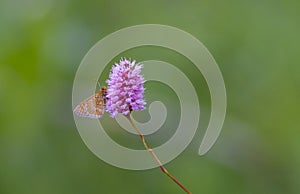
x: 125, y: 88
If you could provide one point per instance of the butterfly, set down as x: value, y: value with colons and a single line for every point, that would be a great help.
x: 94, y: 106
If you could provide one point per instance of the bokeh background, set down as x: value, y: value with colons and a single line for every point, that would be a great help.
x: 256, y: 44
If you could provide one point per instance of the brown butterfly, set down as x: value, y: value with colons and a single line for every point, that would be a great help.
x: 94, y: 106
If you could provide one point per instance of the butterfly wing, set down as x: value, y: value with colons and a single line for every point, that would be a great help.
x: 92, y: 107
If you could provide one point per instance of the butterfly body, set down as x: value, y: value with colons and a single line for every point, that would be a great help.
x: 94, y: 106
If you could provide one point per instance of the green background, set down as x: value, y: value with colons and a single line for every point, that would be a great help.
x: 256, y: 44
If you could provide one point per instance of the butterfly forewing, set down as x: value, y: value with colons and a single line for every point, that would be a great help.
x: 92, y: 107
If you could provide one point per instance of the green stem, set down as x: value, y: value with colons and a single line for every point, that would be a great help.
x: 161, y: 166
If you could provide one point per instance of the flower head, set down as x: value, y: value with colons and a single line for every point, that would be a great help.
x: 125, y: 88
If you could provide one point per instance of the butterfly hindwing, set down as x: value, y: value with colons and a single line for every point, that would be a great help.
x: 92, y: 107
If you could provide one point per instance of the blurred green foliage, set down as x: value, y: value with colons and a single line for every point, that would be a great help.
x: 256, y: 44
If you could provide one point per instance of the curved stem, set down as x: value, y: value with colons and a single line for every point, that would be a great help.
x: 161, y: 166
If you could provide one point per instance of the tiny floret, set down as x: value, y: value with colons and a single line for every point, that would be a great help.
x: 125, y: 88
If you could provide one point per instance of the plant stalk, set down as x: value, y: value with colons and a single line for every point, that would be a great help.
x: 161, y: 166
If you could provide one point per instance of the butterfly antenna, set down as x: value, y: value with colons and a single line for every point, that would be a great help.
x: 97, y: 83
